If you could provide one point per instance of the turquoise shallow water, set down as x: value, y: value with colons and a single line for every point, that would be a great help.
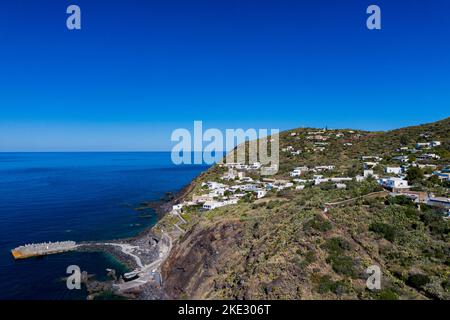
x: 75, y: 196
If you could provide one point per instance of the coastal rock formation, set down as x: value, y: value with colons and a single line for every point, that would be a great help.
x: 200, y: 256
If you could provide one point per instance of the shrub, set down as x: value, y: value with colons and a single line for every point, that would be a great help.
x: 435, y: 223
x: 258, y: 205
x: 411, y: 212
x: 387, y: 294
x: 343, y: 265
x: 272, y: 204
x: 303, y: 262
x: 446, y: 285
x: 414, y: 174
x: 434, y: 180
x: 337, y: 245
x: 325, y: 284
x: 387, y: 231
x: 417, y: 281
x: 400, y: 200
x: 318, y: 223
x: 447, y: 262
x: 340, y: 263
x: 310, y: 257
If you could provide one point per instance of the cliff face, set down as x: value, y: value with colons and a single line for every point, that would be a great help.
x: 199, y: 258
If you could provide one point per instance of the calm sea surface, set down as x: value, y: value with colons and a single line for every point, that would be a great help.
x: 75, y: 196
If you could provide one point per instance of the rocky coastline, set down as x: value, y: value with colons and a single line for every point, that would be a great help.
x: 150, y: 290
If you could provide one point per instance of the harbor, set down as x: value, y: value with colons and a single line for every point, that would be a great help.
x: 143, y: 254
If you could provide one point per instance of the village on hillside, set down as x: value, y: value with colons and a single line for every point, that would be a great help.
x: 398, y: 173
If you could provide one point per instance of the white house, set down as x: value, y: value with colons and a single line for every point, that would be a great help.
x: 246, y: 179
x: 435, y: 143
x: 442, y: 175
x: 403, y: 159
x: 296, y: 172
x: 324, y: 168
x: 369, y: 165
x: 288, y: 148
x: 423, y: 145
x: 394, y: 183
x: 394, y: 170
x: 440, y: 202
x: 281, y: 184
x: 249, y: 187
x: 230, y: 175
x: 210, y: 205
x: 255, y: 166
x: 301, y: 180
x: 239, y: 195
x: 260, y: 193
x: 230, y: 201
x: 341, y: 185
x: 373, y: 158
x: 218, y: 192
x: 428, y: 156
x: 213, y: 185
x: 177, y: 206
x: 202, y: 198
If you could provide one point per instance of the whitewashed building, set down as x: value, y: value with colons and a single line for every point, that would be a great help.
x: 296, y: 172
x: 394, y: 170
x: 435, y: 143
x: 260, y: 193
x: 394, y: 183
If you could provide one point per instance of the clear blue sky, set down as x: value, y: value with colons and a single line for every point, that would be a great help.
x: 139, y: 69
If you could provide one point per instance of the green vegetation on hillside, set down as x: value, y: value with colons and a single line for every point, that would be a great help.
x: 293, y: 244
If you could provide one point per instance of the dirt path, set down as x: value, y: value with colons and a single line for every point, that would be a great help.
x: 369, y: 195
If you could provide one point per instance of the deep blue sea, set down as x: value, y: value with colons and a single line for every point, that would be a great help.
x: 75, y: 196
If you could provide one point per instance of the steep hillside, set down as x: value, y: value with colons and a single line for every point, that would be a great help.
x: 309, y: 243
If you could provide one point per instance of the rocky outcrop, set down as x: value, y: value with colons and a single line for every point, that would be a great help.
x: 198, y: 258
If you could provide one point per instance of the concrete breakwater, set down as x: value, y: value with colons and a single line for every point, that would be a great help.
x: 143, y: 254
x: 42, y: 249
